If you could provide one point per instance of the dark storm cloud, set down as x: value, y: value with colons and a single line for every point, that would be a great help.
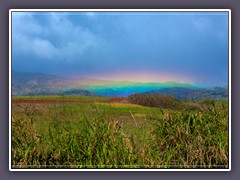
x: 95, y: 43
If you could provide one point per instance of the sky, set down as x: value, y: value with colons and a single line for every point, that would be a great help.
x: 188, y: 47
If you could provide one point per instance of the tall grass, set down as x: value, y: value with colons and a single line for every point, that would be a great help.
x: 193, y: 139
x: 111, y: 135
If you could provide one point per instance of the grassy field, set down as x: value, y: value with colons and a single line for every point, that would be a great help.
x: 94, y: 132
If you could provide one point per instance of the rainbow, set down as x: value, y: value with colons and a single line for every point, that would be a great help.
x: 145, y: 77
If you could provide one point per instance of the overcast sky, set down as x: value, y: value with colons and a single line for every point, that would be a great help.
x: 138, y: 46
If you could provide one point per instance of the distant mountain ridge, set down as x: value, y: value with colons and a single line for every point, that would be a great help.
x: 188, y: 94
x: 45, y: 84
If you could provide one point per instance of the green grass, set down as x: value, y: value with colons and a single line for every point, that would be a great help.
x: 74, y: 97
x: 113, y: 135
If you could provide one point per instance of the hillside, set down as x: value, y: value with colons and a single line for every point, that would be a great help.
x: 194, y: 94
x: 45, y: 84
x: 151, y: 100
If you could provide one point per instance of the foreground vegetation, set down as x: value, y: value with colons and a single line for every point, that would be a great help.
x: 103, y: 134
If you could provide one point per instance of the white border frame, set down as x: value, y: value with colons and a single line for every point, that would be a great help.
x: 118, y: 10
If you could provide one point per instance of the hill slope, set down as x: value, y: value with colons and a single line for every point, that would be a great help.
x: 151, y: 100
x: 188, y: 94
